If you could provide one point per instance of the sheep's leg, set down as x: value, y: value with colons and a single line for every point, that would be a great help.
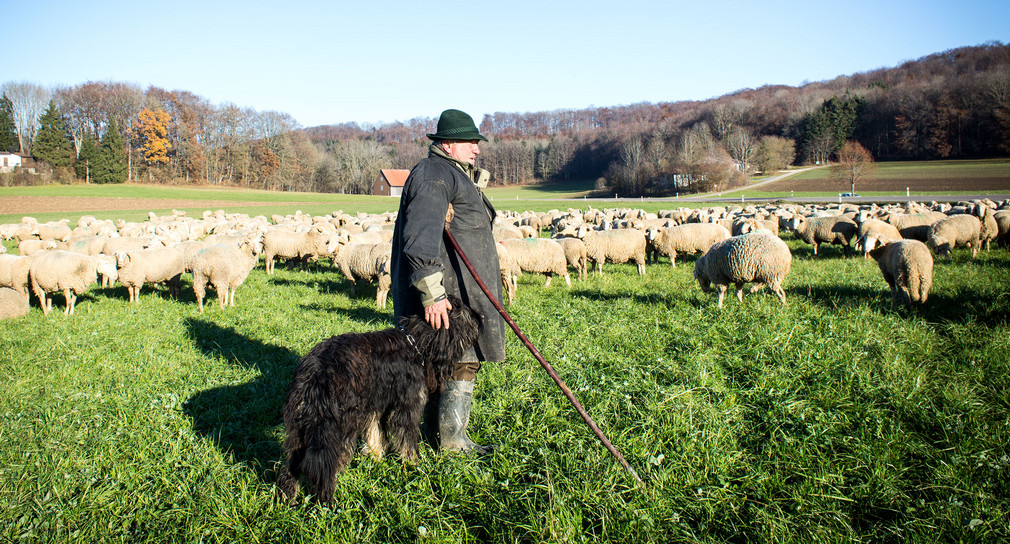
x: 779, y: 292
x: 548, y: 282
x: 71, y: 300
x: 641, y: 269
x: 721, y: 288
x: 568, y: 281
x: 739, y: 291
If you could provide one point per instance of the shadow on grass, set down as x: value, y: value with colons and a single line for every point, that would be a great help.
x: 243, y: 419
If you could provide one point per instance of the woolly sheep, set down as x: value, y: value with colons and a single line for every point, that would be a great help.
x: 12, y: 304
x: 509, y: 269
x: 31, y: 247
x: 688, y: 238
x: 907, y: 266
x: 758, y: 257
x: 540, y: 256
x: 575, y: 254
x: 63, y: 271
x: 914, y: 226
x: 614, y: 246
x: 989, y: 229
x: 954, y: 231
x: 225, y: 268
x: 1002, y: 218
x: 874, y: 231
x: 292, y: 245
x: 129, y: 243
x: 838, y: 229
x: 14, y: 272
x: 157, y: 265
x: 369, y: 262
x: 57, y: 230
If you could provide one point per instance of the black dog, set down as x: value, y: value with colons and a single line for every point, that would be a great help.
x: 372, y: 384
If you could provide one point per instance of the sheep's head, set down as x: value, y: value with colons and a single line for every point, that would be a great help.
x: 701, y: 275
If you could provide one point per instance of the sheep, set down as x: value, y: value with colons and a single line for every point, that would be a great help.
x: 369, y: 262
x: 57, y: 230
x: 129, y: 243
x: 14, y: 272
x: 989, y: 229
x: 758, y: 257
x: 914, y: 226
x: 1002, y: 218
x: 225, y: 267
x: 509, y: 269
x: 292, y: 245
x: 956, y: 230
x: 157, y: 265
x: 575, y: 254
x: 540, y: 256
x: 59, y: 270
x: 614, y: 246
x: 12, y: 304
x: 874, y: 231
x: 907, y: 266
x: 688, y: 238
x: 30, y: 247
x: 838, y: 229
x: 87, y: 244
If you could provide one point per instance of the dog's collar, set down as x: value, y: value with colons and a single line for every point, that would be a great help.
x: 411, y: 341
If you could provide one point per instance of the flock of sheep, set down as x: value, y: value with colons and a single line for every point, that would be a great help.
x: 738, y: 245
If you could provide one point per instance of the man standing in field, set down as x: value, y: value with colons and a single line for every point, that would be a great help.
x: 445, y: 189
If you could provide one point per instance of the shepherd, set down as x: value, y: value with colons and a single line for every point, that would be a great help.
x: 445, y: 190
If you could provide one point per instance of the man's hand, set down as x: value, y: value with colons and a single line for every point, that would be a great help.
x: 438, y: 313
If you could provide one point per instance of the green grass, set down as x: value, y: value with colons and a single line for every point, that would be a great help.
x: 836, y: 418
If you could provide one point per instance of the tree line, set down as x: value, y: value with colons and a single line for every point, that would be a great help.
x: 954, y: 104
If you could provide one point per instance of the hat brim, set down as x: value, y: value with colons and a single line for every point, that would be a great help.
x: 462, y: 136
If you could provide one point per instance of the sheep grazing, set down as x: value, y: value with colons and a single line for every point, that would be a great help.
x: 836, y: 229
x: 907, y: 266
x: 1002, y: 218
x: 509, y: 270
x: 539, y: 256
x: 874, y: 231
x: 369, y: 262
x: 989, y: 229
x: 64, y: 271
x: 614, y: 246
x: 12, y: 304
x: 31, y: 247
x: 224, y: 267
x: 14, y: 273
x: 758, y: 257
x: 575, y: 254
x: 914, y: 226
x: 688, y: 238
x: 285, y: 244
x: 954, y: 231
x: 158, y: 265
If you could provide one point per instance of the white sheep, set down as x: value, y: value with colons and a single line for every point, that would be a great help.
x: 509, y: 269
x: 914, y: 226
x: 837, y: 229
x: 157, y: 265
x: 907, y: 266
x: 989, y: 229
x: 32, y: 246
x: 614, y: 246
x: 285, y: 244
x: 540, y: 256
x: 575, y: 254
x: 954, y: 231
x: 224, y: 267
x: 12, y: 304
x: 14, y: 272
x: 129, y: 243
x: 67, y: 272
x: 369, y: 262
x: 688, y: 238
x: 874, y: 231
x: 758, y: 257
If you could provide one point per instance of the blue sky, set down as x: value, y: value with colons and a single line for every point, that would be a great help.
x: 383, y: 61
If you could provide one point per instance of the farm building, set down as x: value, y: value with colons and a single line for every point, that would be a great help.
x: 10, y: 161
x: 389, y: 182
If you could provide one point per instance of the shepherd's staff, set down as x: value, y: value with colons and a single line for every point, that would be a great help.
x: 540, y: 358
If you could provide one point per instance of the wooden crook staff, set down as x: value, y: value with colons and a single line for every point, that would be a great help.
x: 540, y: 358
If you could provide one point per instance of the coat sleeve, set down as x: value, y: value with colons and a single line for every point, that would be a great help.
x: 427, y: 201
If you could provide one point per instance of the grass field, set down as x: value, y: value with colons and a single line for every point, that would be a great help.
x: 835, y: 418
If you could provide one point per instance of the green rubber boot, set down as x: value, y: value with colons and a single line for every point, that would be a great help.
x: 454, y: 416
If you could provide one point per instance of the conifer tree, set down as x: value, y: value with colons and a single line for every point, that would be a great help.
x: 51, y: 143
x: 111, y: 164
x: 8, y: 130
x: 87, y: 159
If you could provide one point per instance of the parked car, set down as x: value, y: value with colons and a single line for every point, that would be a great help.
x: 848, y: 194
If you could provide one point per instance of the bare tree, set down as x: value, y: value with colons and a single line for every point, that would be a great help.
x: 742, y: 147
x: 28, y: 101
x: 854, y: 163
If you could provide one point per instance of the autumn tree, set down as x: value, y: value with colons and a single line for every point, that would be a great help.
x: 111, y: 165
x: 742, y: 146
x: 151, y: 134
x: 854, y: 163
x: 774, y: 153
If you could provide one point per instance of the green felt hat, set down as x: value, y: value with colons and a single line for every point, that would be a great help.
x: 456, y: 125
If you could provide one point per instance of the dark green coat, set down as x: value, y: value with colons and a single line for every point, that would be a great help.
x: 420, y: 250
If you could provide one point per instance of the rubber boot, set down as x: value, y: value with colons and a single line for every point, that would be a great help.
x: 454, y: 416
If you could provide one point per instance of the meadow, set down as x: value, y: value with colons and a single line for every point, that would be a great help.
x: 838, y: 417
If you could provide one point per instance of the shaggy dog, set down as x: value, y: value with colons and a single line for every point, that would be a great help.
x: 373, y: 385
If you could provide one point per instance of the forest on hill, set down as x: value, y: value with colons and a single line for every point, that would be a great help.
x: 949, y: 105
